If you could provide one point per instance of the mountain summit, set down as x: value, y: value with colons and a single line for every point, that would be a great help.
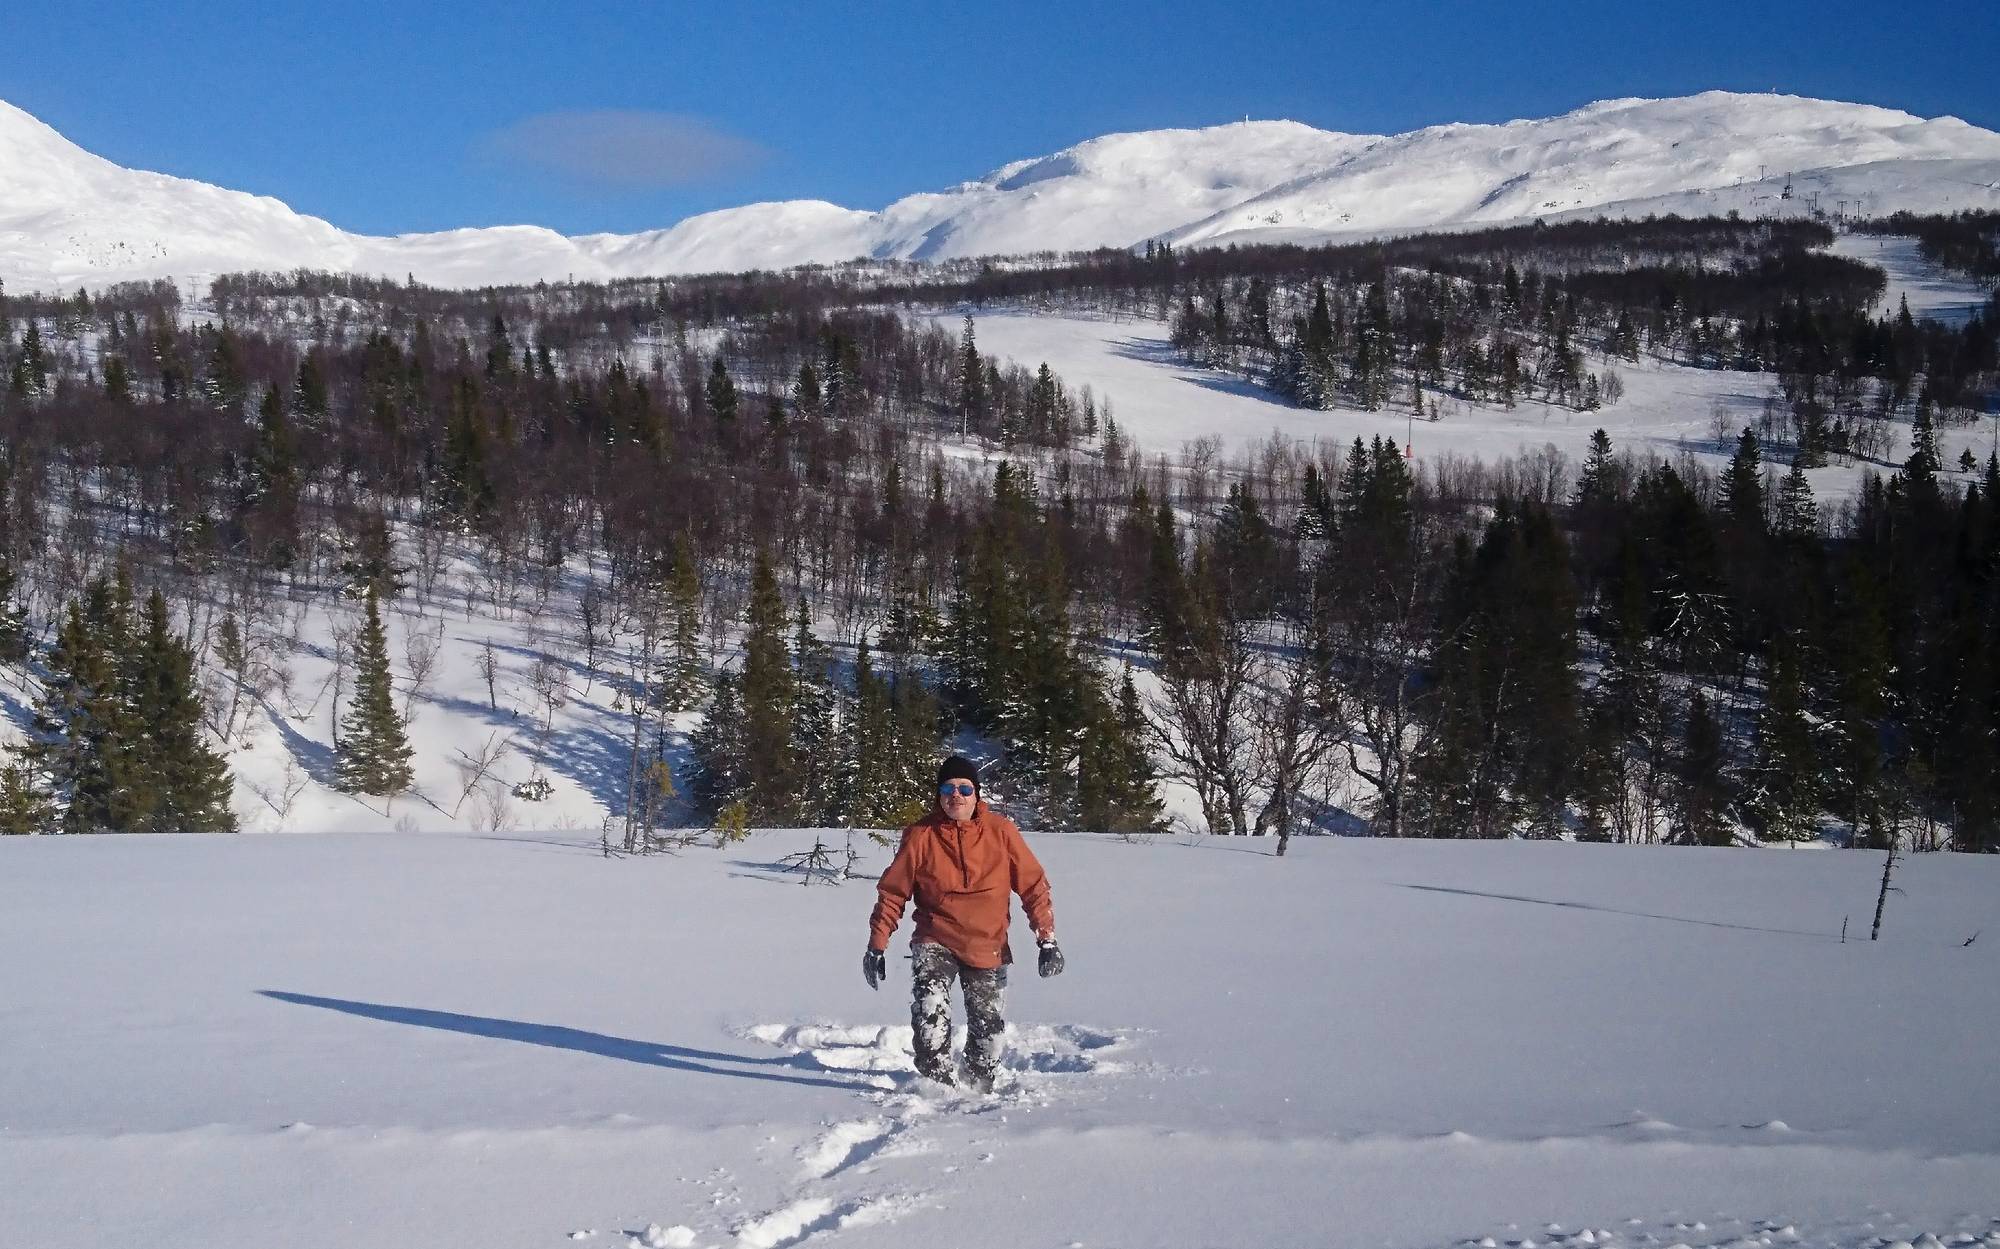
x: 68, y: 217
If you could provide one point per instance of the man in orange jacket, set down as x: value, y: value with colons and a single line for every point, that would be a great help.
x: 960, y: 863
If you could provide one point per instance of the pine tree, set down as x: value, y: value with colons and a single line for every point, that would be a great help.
x: 373, y: 755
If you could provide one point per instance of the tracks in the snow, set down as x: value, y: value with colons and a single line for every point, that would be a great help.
x: 831, y: 1194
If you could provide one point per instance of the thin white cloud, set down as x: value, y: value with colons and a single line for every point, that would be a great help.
x: 627, y: 149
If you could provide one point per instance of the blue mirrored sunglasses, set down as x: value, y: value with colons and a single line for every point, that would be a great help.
x: 964, y: 790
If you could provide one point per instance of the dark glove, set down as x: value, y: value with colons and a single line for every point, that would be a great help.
x: 1051, y: 961
x: 875, y: 968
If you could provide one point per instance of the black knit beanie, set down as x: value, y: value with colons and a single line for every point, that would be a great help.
x: 959, y: 768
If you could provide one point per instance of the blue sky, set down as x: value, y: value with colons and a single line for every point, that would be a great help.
x: 418, y: 116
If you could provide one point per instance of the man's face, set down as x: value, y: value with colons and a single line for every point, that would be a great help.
x: 957, y: 797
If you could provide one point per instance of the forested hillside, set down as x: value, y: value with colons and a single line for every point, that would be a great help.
x: 801, y: 534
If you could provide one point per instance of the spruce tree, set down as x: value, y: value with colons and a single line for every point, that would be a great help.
x: 1597, y: 485
x: 1785, y: 794
x: 891, y: 747
x: 1798, y: 514
x: 720, y: 393
x: 25, y: 808
x: 79, y: 718
x: 1921, y: 469
x: 681, y: 682
x: 1742, y: 494
x: 720, y: 776
x: 1041, y: 708
x: 915, y: 713
x: 1702, y: 787
x: 191, y: 781
x: 1861, y: 668
x: 117, y: 381
x: 770, y: 774
x: 1117, y: 783
x: 817, y: 758
x: 805, y: 392
x: 309, y: 392
x: 465, y: 490
x: 34, y: 358
x: 373, y: 755
x: 13, y: 616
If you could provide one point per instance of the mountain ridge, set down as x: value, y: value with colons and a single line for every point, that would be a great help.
x: 69, y: 217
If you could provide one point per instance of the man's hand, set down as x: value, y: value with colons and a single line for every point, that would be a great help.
x: 875, y: 968
x: 1052, y: 960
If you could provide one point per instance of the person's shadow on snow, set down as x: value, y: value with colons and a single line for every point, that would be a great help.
x: 652, y: 1053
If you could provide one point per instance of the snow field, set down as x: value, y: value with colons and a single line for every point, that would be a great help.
x: 1163, y: 404
x: 507, y: 1040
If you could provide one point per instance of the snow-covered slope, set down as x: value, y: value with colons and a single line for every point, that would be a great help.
x: 364, y: 1041
x: 1706, y: 153
x: 68, y: 217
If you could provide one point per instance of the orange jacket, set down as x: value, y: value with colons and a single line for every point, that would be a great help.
x: 960, y: 874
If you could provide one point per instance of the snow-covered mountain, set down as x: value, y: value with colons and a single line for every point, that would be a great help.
x: 68, y: 217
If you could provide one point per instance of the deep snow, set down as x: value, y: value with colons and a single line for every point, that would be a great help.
x: 373, y: 1040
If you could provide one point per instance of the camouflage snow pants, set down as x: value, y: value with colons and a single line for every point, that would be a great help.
x: 932, y: 969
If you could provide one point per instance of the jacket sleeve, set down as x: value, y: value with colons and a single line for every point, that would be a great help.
x: 892, y: 893
x: 1032, y: 883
